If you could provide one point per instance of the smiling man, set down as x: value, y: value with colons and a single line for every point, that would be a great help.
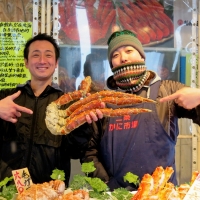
x: 25, y: 140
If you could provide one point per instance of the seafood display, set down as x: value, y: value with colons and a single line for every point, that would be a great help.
x: 156, y: 186
x: 62, y: 122
x: 48, y: 190
x: 53, y: 190
x: 76, y: 195
x: 147, y: 18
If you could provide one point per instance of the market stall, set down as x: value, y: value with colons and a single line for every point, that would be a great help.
x: 170, y: 38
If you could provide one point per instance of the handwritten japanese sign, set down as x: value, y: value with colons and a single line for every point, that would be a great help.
x: 13, y: 36
x: 22, y: 179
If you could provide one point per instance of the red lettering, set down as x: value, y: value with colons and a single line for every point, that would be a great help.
x: 134, y: 124
x: 19, y: 183
x: 16, y: 175
x: 20, y: 189
x: 119, y: 126
x: 127, y: 125
x: 111, y: 127
x: 127, y: 117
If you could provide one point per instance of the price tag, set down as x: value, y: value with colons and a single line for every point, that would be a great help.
x: 194, y: 191
x: 22, y: 179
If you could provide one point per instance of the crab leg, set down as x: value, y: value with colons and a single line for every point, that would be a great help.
x: 166, y: 191
x: 52, y: 110
x: 98, y: 95
x: 155, y: 186
x: 64, y: 121
x: 168, y: 172
x: 194, y: 176
x: 145, y: 188
x: 182, y: 190
x: 80, y: 119
x: 76, y: 95
x: 86, y: 84
x: 69, y: 97
x: 80, y: 194
x: 97, y: 104
x: 158, y: 176
x: 60, y: 126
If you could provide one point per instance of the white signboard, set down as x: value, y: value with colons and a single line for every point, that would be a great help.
x: 194, y: 192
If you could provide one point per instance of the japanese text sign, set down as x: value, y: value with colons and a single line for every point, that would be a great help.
x: 13, y: 36
x: 22, y: 179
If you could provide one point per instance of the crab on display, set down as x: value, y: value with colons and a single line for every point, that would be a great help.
x: 53, y: 190
x: 62, y: 122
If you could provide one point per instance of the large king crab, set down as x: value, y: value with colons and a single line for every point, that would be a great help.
x: 62, y: 122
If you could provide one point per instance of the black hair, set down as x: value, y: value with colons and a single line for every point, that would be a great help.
x: 93, y: 66
x: 76, y: 69
x: 42, y: 36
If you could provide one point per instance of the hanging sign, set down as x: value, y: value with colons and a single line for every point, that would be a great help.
x: 13, y: 36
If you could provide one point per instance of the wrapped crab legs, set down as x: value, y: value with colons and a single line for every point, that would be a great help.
x: 61, y: 122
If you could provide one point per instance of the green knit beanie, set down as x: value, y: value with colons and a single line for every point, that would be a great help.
x: 121, y: 38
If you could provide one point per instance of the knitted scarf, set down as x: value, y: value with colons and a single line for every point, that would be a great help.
x: 131, y: 76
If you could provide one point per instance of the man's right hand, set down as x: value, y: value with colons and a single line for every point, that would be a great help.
x: 9, y: 111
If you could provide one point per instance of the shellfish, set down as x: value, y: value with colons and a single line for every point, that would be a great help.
x: 62, y: 122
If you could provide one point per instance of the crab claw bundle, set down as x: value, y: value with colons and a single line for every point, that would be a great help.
x: 62, y: 122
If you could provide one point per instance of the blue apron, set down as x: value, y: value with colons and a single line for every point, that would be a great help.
x: 137, y: 144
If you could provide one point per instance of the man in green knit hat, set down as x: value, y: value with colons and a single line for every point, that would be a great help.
x: 139, y: 143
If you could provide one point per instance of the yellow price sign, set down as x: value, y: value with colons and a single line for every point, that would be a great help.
x: 22, y: 179
x: 13, y: 36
